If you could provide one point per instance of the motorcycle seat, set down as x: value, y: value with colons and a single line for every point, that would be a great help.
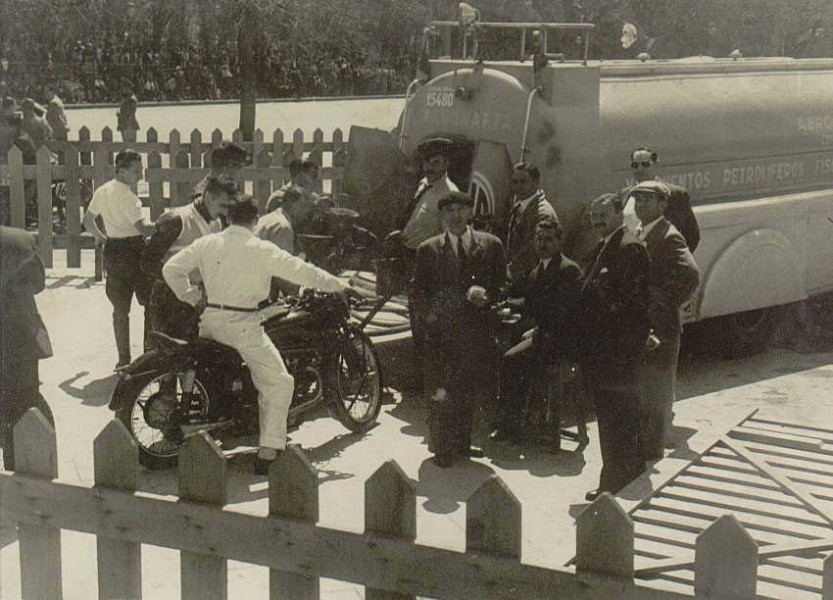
x: 199, y: 345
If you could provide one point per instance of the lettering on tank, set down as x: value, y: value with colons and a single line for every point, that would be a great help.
x: 439, y: 98
x: 819, y: 126
x: 481, y: 122
x: 774, y: 172
x: 740, y: 176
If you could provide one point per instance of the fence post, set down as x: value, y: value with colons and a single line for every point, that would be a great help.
x: 202, y: 478
x: 237, y: 137
x: 36, y: 453
x: 293, y: 494
x: 115, y: 459
x: 262, y: 186
x: 604, y: 539
x: 73, y: 206
x: 339, y: 159
x: 44, y: 185
x: 725, y: 561
x: 17, y: 189
x: 216, y: 138
x: 389, y: 509
x: 277, y: 152
x: 493, y: 520
x: 156, y: 189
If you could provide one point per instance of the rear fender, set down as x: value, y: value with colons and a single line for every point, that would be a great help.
x: 154, y: 361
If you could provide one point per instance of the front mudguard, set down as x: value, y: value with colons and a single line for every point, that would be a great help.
x: 153, y: 361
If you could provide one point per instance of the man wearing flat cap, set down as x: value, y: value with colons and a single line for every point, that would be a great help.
x: 457, y: 274
x: 673, y: 278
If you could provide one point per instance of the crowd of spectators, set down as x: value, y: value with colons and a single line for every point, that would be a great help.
x: 102, y: 70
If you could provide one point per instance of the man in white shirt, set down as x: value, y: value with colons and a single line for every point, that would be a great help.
x: 236, y: 269
x: 126, y: 227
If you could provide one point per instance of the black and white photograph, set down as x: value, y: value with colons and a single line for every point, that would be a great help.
x: 391, y: 299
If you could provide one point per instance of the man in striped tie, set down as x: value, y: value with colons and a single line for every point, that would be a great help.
x: 530, y: 208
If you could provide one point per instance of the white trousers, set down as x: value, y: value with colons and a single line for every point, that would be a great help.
x: 244, y: 332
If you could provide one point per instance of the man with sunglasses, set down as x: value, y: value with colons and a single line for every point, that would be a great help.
x: 678, y: 210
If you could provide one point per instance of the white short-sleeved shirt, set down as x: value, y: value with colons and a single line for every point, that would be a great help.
x: 119, y: 207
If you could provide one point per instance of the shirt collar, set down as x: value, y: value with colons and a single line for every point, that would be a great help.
x: 466, y: 236
x: 522, y: 204
x: 239, y: 230
x: 646, y: 229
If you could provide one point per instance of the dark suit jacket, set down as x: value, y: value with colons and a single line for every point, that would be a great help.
x: 614, y: 303
x: 23, y: 335
x: 679, y: 213
x: 551, y: 298
x: 674, y: 277
x: 458, y: 339
x: 520, y: 252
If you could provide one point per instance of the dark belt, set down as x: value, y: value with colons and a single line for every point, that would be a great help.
x: 232, y: 308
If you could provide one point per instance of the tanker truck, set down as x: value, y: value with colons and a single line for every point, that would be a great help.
x: 751, y: 139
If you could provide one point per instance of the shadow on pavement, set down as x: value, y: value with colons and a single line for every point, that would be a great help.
x: 446, y: 489
x: 75, y: 281
x: 94, y: 393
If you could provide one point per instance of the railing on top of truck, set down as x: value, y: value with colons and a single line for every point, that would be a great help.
x: 471, y: 25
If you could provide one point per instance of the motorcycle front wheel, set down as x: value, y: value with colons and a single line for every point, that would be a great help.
x: 355, y: 384
x: 149, y: 411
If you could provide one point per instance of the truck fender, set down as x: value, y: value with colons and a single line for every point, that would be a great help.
x: 759, y: 269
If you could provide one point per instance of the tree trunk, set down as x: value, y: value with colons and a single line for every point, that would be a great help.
x: 246, y: 37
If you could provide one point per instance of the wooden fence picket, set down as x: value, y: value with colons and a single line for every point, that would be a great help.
x: 36, y: 453
x: 298, y: 143
x: 262, y: 186
x: 16, y: 187
x: 827, y: 579
x: 73, y: 207
x: 173, y: 149
x: 277, y: 150
x: 156, y: 188
x: 44, y: 187
x: 390, y: 509
x: 237, y: 137
x: 293, y: 494
x: 195, y: 149
x: 604, y: 539
x: 202, y: 478
x: 181, y: 190
x: 725, y: 561
x: 257, y: 142
x: 339, y: 160
x: 493, y: 520
x: 115, y: 460
x: 317, y: 154
x: 216, y: 138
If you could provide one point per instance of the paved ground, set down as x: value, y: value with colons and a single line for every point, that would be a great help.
x: 78, y: 381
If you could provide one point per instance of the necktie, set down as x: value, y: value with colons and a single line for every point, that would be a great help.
x: 513, y: 221
x: 461, y: 254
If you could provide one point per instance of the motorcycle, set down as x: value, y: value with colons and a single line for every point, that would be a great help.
x: 186, y: 386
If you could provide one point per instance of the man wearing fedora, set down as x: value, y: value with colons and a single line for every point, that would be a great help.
x: 673, y: 278
x: 421, y: 220
x: 457, y: 274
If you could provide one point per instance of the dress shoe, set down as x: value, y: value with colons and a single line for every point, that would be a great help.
x: 262, y: 464
x: 443, y: 461
x: 592, y: 495
x: 473, y: 452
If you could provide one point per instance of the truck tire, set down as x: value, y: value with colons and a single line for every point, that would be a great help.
x: 744, y: 334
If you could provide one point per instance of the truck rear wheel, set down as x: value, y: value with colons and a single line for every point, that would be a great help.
x: 746, y: 333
